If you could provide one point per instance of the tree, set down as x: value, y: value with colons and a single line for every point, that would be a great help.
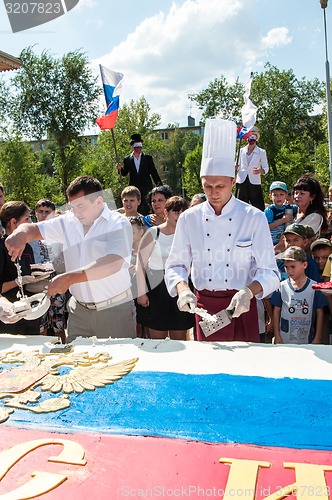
x: 57, y: 98
x: 19, y: 171
x: 192, y: 164
x: 179, y: 145
x: 285, y: 112
x: 285, y: 115
x: 221, y: 99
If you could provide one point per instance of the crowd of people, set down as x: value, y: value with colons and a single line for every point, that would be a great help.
x: 152, y: 267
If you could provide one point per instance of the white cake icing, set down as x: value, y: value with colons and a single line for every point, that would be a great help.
x: 235, y: 358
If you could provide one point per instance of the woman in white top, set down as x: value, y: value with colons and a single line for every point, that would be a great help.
x: 157, y: 310
x: 309, y: 197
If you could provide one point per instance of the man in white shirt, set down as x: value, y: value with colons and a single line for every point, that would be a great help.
x: 224, y: 244
x: 97, y: 249
x: 252, y: 164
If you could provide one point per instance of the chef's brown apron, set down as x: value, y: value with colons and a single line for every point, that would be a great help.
x: 243, y: 328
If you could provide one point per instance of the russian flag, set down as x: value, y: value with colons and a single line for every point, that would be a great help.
x: 249, y: 112
x: 112, y: 83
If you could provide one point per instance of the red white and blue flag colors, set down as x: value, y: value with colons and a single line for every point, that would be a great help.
x: 249, y: 111
x: 112, y: 83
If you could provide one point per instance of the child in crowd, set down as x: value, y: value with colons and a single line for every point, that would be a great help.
x: 298, y: 309
x: 296, y: 235
x: 197, y: 199
x: 131, y: 199
x: 290, y: 197
x: 276, y: 214
x: 321, y: 249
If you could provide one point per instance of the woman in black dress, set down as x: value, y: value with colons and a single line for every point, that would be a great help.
x: 156, y: 309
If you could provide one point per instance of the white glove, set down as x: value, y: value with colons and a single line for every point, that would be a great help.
x: 240, y: 302
x: 187, y: 300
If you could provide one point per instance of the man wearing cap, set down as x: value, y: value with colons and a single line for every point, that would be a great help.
x: 252, y: 164
x: 141, y: 168
x: 224, y: 244
x: 279, y: 214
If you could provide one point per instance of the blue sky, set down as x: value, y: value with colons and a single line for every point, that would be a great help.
x: 167, y: 49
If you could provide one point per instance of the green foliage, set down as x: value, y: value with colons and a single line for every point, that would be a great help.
x: 321, y: 166
x: 180, y: 143
x: 290, y: 131
x: 192, y: 164
x: 221, y: 99
x: 19, y: 171
x: 67, y: 162
x: 285, y: 111
x: 57, y: 98
x: 99, y: 161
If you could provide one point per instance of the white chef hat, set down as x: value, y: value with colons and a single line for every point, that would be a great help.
x: 218, y: 157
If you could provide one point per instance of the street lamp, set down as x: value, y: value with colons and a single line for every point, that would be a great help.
x: 323, y: 4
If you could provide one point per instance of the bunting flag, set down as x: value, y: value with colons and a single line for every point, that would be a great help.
x: 249, y: 111
x: 112, y: 83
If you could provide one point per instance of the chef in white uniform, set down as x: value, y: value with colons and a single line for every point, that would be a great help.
x: 224, y: 244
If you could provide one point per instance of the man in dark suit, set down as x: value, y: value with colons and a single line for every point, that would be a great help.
x: 141, y: 168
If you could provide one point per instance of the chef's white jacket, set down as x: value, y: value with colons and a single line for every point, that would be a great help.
x: 222, y: 252
x: 246, y: 165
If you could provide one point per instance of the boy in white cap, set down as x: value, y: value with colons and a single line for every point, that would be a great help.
x: 279, y: 213
x: 224, y: 244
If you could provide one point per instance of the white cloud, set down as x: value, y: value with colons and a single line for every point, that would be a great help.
x: 175, y: 53
x: 276, y: 38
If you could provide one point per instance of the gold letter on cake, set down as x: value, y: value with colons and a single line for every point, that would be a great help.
x: 41, y: 482
x: 310, y: 480
x: 242, y: 478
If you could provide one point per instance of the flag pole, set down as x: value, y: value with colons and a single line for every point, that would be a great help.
x: 238, y: 154
x: 116, y: 156
x: 248, y: 111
